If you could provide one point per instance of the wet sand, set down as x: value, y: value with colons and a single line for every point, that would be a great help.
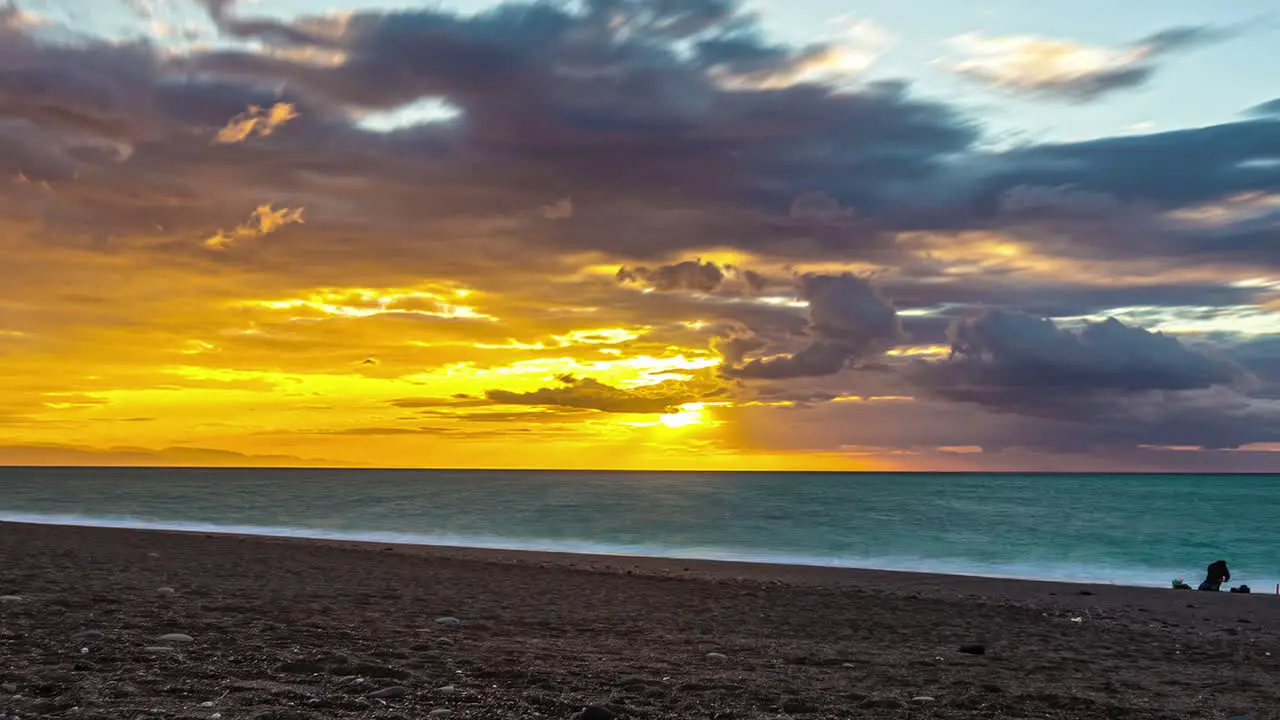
x: 286, y: 629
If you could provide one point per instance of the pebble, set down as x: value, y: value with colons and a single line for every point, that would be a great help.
x: 886, y: 703
x: 207, y: 703
x: 447, y: 690
x: 10, y: 598
x: 922, y: 700
x: 798, y: 705
x: 91, y: 635
x: 388, y: 693
x: 176, y: 637
x: 10, y: 688
x: 440, y: 712
x: 974, y: 649
x: 448, y: 621
x: 717, y: 656
x: 596, y: 712
x: 166, y: 591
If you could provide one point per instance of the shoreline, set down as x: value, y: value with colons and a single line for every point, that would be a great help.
x: 292, y: 629
x: 724, y: 566
x: 719, y: 567
x: 890, y: 581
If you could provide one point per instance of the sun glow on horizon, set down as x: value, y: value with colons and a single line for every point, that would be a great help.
x: 689, y: 414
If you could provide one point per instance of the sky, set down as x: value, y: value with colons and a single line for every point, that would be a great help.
x: 641, y: 234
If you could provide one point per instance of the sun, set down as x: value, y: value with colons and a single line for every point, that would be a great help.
x: 690, y: 414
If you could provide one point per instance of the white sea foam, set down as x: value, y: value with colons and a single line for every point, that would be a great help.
x: 1059, y: 573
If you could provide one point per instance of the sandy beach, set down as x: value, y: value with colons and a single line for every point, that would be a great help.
x: 107, y: 623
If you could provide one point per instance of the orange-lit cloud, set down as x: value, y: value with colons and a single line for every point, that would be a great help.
x: 265, y: 220
x: 255, y: 122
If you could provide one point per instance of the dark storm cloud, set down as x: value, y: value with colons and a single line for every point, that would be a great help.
x: 849, y: 320
x: 1108, y: 384
x: 691, y: 275
x: 1260, y: 356
x: 604, y: 95
x: 658, y: 158
x: 607, y: 104
x: 962, y: 296
x: 590, y: 394
x: 1001, y: 354
x: 1166, y: 169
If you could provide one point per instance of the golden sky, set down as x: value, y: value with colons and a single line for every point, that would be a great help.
x: 591, y: 249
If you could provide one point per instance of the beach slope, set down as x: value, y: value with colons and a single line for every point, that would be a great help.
x: 109, y: 623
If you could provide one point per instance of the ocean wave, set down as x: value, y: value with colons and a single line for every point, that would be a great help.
x: 1152, y: 577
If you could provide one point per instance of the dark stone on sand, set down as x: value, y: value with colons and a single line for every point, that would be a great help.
x: 1086, y: 592
x: 84, y: 666
x: 448, y: 621
x: 388, y: 693
x: 300, y: 667
x: 886, y: 703
x: 597, y: 712
x: 974, y: 649
x: 796, y: 706
x: 11, y: 688
x: 91, y: 636
x: 285, y: 714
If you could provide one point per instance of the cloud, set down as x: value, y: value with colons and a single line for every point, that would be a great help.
x: 603, y: 97
x: 1064, y: 70
x: 746, y: 63
x: 1142, y: 174
x: 264, y: 221
x: 561, y: 209
x: 849, y: 321
x: 1105, y: 385
x: 589, y: 394
x: 1004, y: 353
x: 56, y: 454
x: 255, y: 121
x: 14, y: 18
x: 582, y: 138
x: 1266, y: 109
x: 688, y: 275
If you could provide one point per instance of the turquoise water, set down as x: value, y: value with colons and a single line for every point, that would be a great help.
x: 1125, y: 529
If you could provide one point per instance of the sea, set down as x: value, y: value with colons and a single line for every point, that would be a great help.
x: 1120, y: 529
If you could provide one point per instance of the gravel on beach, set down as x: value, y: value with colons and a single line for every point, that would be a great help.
x: 125, y: 624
